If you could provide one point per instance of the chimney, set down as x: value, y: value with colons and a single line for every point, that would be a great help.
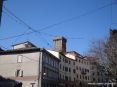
x: 60, y: 44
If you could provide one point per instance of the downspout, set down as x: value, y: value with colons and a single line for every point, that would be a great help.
x: 40, y: 69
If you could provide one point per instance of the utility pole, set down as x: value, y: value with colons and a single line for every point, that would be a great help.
x: 1, y: 5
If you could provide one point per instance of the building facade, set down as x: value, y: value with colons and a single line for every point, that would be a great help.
x: 33, y: 67
x: 74, y: 69
x: 37, y: 67
x: 81, y: 69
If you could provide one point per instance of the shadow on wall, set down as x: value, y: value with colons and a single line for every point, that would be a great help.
x: 9, y: 83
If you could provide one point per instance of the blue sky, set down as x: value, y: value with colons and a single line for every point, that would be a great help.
x: 41, y: 13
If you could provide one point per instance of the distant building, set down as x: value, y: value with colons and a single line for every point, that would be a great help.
x: 74, y: 69
x: 37, y: 67
x: 81, y: 69
x: 23, y: 45
x: 34, y: 67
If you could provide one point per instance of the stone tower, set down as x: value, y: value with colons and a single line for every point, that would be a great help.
x: 60, y: 44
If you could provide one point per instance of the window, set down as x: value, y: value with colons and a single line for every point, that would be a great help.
x: 63, y: 59
x: 86, y: 77
x: 76, y: 67
x: 79, y: 68
x: 63, y: 68
x: 66, y: 61
x: 49, y: 61
x: 74, y: 71
x: 60, y: 76
x: 66, y: 69
x: 69, y: 69
x: 46, y: 59
x: 19, y: 58
x: 69, y: 61
x: 98, y: 80
x: 73, y: 63
x: 82, y: 61
x: 66, y: 78
x: 60, y: 66
x: 74, y: 79
x: 80, y: 76
x: 98, y: 73
x: 69, y: 78
x: 93, y: 73
x: 93, y: 79
x: 79, y: 60
x: 77, y: 75
x: 63, y: 77
x: 19, y: 73
x: 83, y: 77
x: 85, y: 70
x: 53, y: 62
x: 60, y: 57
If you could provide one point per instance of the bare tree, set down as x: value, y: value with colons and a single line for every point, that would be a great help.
x: 106, y: 51
x: 97, y: 50
x: 111, y: 51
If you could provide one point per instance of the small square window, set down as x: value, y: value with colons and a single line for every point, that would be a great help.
x: 19, y: 58
x: 19, y: 73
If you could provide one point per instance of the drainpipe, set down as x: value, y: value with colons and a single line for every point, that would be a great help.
x: 40, y: 69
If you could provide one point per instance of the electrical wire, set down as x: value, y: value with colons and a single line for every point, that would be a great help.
x: 27, y: 25
x: 76, y: 17
x: 4, y: 47
x: 50, y: 26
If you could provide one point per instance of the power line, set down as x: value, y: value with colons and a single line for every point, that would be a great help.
x: 4, y: 47
x: 6, y: 38
x: 29, y: 27
x: 76, y: 17
x: 73, y: 38
x: 11, y: 13
x: 50, y: 26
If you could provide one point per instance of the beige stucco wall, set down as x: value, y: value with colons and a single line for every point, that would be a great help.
x: 29, y: 65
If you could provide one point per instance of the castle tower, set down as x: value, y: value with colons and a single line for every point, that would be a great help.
x: 60, y: 44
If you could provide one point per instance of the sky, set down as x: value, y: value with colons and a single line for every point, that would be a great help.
x: 79, y: 21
